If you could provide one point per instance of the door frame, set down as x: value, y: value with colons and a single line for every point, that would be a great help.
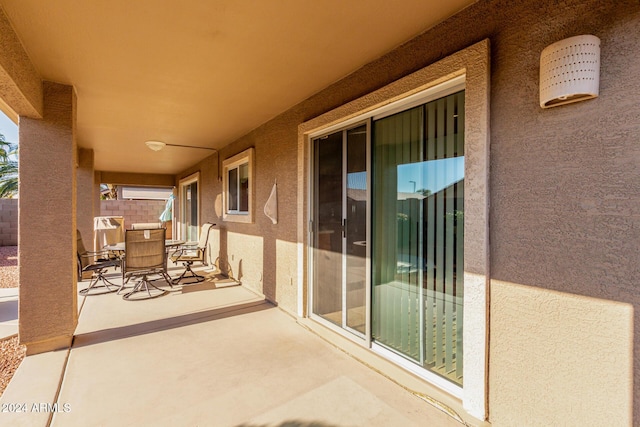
x: 344, y: 330
x: 447, y: 88
x: 188, y: 180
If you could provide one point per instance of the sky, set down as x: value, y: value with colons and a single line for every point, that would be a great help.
x: 433, y: 175
x: 8, y: 128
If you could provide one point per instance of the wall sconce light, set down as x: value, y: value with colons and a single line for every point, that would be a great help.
x: 570, y: 71
x: 159, y: 145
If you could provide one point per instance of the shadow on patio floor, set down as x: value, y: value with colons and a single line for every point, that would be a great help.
x: 112, y: 334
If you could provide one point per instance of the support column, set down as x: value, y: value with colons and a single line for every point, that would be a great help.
x: 86, y: 196
x: 48, y: 311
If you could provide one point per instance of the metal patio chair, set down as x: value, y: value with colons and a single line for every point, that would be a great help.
x: 190, y: 253
x: 144, y: 256
x: 96, y: 262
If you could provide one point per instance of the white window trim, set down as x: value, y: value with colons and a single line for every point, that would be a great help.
x: 188, y: 180
x: 247, y: 156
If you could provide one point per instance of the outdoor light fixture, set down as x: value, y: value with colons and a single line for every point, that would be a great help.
x: 570, y: 71
x: 159, y: 145
x: 155, y: 145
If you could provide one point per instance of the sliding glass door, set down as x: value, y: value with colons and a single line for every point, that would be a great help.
x: 418, y: 217
x: 189, y: 212
x: 340, y: 228
x: 400, y: 285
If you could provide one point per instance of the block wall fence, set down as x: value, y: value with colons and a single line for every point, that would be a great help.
x: 133, y: 211
x: 8, y: 222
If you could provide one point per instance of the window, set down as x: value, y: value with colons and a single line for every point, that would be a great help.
x: 237, y: 173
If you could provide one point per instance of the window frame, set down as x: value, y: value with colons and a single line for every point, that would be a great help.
x: 245, y: 157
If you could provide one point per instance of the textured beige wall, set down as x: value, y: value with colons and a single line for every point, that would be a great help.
x: 8, y: 222
x: 565, y: 187
x: 544, y: 342
x: 209, y: 187
x: 565, y: 192
x: 20, y: 83
x: 47, y: 212
x: 86, y: 195
x: 96, y: 191
x: 209, y: 192
x: 249, y: 252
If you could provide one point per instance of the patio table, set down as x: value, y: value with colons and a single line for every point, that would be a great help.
x: 120, y: 248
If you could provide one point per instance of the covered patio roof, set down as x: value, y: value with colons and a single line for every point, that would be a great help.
x: 201, y: 73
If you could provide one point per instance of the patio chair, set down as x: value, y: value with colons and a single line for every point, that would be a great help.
x: 96, y: 262
x: 144, y: 256
x: 190, y: 253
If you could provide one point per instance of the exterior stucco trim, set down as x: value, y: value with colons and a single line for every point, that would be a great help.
x: 21, y: 87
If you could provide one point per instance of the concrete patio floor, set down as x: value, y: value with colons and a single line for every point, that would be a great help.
x: 204, y: 355
x: 8, y: 312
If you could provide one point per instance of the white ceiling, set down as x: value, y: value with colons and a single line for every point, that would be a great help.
x: 202, y: 72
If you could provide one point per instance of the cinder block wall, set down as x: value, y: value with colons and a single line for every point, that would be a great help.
x: 8, y: 222
x: 133, y: 211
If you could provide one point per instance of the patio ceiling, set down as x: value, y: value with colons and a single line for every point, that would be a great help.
x: 200, y: 72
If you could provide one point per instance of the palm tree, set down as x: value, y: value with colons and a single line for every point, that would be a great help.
x: 8, y: 168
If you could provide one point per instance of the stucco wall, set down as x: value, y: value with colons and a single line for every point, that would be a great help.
x: 564, y: 191
x: 48, y: 152
x: 8, y: 222
x: 262, y: 254
x: 209, y: 195
x: 86, y: 193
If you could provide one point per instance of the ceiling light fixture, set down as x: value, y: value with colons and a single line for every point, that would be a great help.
x: 159, y: 145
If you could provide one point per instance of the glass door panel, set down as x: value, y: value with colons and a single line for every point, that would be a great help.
x: 189, y: 203
x: 418, y: 217
x: 397, y: 274
x: 327, y: 220
x: 356, y: 229
x: 340, y: 228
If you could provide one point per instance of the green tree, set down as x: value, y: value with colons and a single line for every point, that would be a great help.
x: 8, y: 168
x: 108, y: 192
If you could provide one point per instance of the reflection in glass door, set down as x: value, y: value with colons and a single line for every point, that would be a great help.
x: 418, y: 234
x: 340, y: 228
